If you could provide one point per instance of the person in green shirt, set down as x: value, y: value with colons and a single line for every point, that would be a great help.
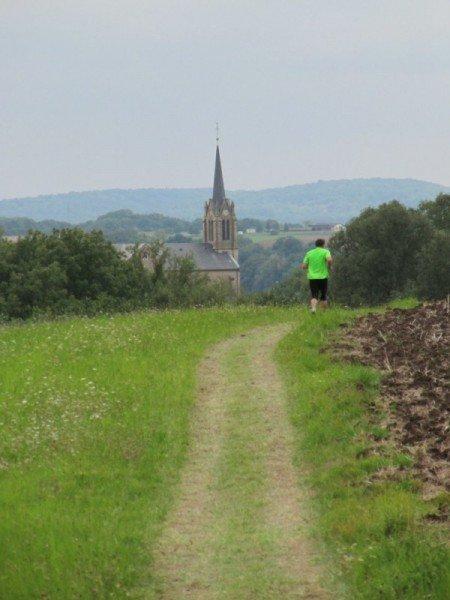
x: 317, y: 263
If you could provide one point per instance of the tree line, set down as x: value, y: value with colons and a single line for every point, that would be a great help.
x: 74, y: 272
x: 125, y: 226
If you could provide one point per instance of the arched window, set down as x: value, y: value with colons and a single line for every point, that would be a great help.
x: 210, y: 231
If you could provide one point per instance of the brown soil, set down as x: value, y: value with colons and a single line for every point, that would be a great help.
x: 411, y: 348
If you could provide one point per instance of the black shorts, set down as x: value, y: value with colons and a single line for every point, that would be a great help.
x: 318, y: 288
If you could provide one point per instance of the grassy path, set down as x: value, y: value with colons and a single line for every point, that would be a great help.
x: 237, y: 530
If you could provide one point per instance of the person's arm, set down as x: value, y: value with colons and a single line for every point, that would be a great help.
x: 304, y: 264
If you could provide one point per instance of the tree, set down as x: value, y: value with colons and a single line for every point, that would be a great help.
x: 433, y: 281
x: 376, y: 256
x: 255, y: 224
x: 70, y: 271
x: 438, y: 211
x: 262, y: 267
x: 272, y: 225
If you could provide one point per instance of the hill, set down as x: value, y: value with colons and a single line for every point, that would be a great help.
x: 334, y: 201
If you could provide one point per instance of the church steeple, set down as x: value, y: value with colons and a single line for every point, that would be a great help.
x: 219, y: 222
x: 218, y: 196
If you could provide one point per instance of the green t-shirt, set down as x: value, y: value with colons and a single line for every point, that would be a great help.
x: 316, y: 259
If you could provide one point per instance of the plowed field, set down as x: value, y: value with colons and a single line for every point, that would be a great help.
x: 411, y: 348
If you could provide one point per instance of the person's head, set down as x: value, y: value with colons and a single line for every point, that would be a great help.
x: 320, y: 243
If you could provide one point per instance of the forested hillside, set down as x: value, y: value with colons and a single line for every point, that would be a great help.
x: 323, y: 201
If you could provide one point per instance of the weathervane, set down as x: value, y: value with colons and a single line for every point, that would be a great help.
x: 217, y: 132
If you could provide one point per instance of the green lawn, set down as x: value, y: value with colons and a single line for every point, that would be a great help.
x: 93, y: 430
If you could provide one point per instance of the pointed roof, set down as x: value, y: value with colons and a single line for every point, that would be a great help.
x: 219, y: 189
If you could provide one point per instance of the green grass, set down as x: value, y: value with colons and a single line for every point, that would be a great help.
x: 94, y: 419
x: 94, y: 422
x: 377, y: 540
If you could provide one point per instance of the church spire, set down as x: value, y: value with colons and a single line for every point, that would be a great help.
x: 219, y: 190
x: 219, y: 221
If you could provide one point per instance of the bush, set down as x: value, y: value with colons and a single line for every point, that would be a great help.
x: 292, y: 290
x: 73, y: 272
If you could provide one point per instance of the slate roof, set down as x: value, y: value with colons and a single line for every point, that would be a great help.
x: 205, y: 258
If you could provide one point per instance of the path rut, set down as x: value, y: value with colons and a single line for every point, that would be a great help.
x: 238, y: 526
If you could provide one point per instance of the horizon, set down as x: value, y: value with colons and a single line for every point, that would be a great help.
x: 102, y: 95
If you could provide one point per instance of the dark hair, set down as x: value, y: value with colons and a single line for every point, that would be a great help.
x: 320, y: 242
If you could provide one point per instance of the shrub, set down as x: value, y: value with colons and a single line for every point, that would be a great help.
x: 70, y: 271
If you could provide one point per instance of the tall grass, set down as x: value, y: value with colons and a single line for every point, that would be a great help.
x: 94, y: 419
x: 374, y: 529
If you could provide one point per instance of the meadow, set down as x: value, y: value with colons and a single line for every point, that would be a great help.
x: 94, y: 430
x: 94, y: 420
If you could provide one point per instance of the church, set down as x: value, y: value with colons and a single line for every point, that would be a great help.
x: 217, y: 255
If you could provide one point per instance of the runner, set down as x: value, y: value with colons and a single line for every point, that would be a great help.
x: 318, y: 262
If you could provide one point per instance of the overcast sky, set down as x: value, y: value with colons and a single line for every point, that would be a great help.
x: 105, y: 94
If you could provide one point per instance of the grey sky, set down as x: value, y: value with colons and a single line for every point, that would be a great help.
x: 104, y: 94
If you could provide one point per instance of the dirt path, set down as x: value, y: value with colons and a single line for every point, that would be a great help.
x: 237, y: 530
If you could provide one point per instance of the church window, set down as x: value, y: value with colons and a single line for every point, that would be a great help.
x: 226, y: 229
x: 210, y: 230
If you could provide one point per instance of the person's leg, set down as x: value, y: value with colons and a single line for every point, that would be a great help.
x: 314, y: 287
x: 324, y: 293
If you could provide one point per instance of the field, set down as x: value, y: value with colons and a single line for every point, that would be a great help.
x: 267, y: 240
x: 95, y: 430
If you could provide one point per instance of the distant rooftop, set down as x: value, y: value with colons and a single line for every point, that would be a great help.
x: 205, y: 258
x: 203, y: 255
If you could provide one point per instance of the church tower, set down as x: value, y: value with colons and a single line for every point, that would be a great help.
x: 219, y: 221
